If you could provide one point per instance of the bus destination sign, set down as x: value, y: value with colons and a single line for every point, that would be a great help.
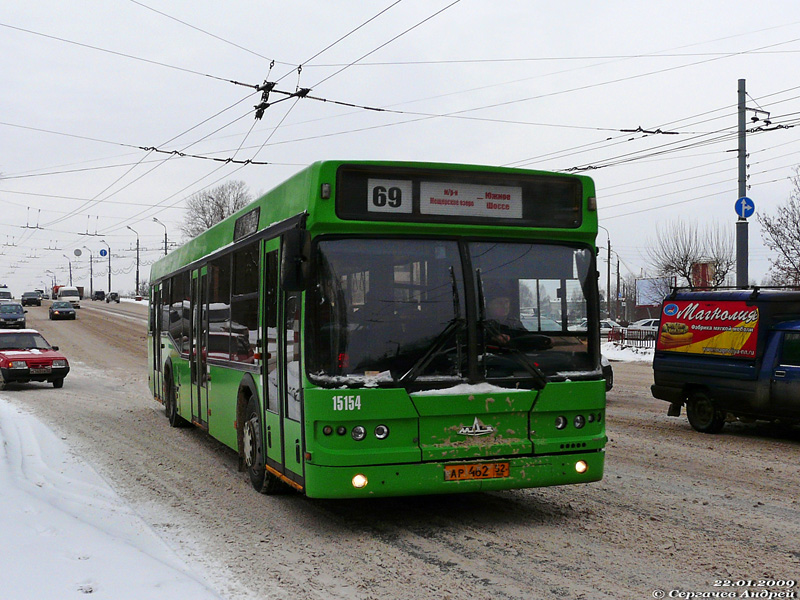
x: 470, y: 200
x: 437, y: 196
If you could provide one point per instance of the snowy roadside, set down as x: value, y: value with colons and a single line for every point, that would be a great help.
x: 615, y: 351
x: 64, y: 531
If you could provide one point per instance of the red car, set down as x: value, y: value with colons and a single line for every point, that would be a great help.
x: 26, y: 356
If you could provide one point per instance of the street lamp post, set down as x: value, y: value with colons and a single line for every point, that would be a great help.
x: 136, y: 292
x: 91, y: 274
x: 608, y: 282
x: 165, y: 234
x: 109, y: 264
x: 70, y: 268
x: 53, y: 279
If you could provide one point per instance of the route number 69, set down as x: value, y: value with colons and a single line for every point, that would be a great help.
x: 393, y: 196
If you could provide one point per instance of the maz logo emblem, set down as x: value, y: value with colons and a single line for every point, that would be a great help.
x: 476, y: 429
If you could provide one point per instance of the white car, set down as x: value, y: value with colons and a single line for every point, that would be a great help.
x: 606, y: 325
x: 649, y: 327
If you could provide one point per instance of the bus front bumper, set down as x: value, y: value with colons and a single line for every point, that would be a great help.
x: 429, y: 478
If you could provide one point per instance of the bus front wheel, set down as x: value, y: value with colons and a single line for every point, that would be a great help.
x: 254, y: 452
x: 703, y: 415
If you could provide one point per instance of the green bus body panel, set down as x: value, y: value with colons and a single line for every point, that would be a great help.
x: 223, y: 389
x: 426, y: 426
x: 428, y: 478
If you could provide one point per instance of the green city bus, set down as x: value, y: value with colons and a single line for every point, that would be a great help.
x: 373, y: 329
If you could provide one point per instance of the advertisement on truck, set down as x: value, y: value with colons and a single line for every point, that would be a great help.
x: 716, y: 327
x: 728, y: 355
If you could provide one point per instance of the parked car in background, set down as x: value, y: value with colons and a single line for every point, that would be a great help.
x: 31, y: 299
x: 608, y: 372
x: 112, y: 297
x: 98, y: 295
x: 42, y: 294
x: 12, y: 315
x: 26, y: 356
x: 5, y: 296
x: 648, y: 327
x: 61, y: 309
x: 606, y: 326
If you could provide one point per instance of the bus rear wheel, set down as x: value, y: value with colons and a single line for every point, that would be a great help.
x: 703, y: 415
x: 171, y: 403
x: 254, y: 452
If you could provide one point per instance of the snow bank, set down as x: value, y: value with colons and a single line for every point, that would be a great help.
x: 65, y: 532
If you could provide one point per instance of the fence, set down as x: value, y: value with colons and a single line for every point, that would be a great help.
x: 633, y: 338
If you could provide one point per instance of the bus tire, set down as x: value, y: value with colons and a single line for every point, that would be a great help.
x: 703, y: 415
x: 171, y: 403
x: 255, y: 453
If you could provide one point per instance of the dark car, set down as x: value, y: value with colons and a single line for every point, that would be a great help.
x: 31, y: 299
x: 98, y: 295
x: 12, y: 315
x: 26, y: 356
x: 112, y: 297
x: 62, y: 309
x: 608, y: 373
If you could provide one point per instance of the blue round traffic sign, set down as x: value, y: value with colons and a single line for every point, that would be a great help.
x: 103, y: 251
x: 745, y: 207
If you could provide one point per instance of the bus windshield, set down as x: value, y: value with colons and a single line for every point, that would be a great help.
x: 399, y: 311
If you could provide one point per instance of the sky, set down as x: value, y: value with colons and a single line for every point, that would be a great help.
x: 98, y: 97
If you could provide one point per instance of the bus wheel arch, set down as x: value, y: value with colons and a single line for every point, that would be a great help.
x: 703, y: 415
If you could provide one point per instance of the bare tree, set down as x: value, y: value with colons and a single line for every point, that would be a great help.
x: 781, y: 234
x: 208, y: 207
x: 680, y: 246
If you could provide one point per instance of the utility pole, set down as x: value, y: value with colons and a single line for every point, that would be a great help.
x: 741, y: 223
x: 617, y: 307
x: 91, y: 274
x: 136, y: 293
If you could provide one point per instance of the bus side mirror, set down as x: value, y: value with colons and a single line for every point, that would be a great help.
x: 295, y: 260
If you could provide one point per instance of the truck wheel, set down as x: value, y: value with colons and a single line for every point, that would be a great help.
x: 702, y: 414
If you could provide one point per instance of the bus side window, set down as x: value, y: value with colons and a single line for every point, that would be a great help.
x: 271, y: 330
x: 292, y: 341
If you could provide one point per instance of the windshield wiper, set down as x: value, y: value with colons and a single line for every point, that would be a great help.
x: 489, y: 329
x: 453, y: 327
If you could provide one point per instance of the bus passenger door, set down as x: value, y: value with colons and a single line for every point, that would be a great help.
x: 199, y: 350
x: 272, y: 379
x: 291, y: 389
x: 156, y: 341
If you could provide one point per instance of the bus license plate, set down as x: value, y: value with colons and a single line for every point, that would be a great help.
x: 476, y: 471
x: 40, y: 370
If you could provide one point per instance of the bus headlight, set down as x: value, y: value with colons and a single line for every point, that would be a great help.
x: 359, y: 481
x: 561, y: 422
x: 358, y: 433
x: 381, y: 432
x: 581, y: 466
